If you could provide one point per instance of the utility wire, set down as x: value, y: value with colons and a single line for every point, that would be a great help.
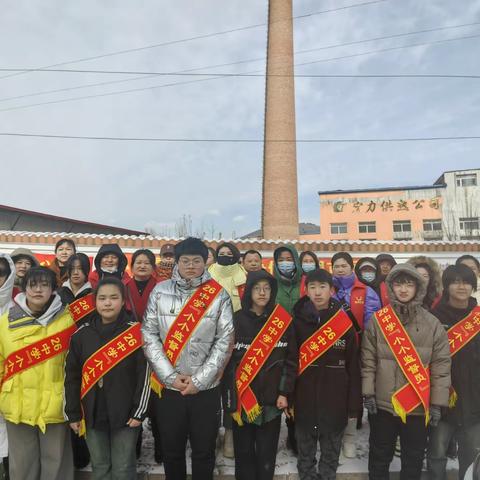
x: 189, y: 39
x: 218, y: 76
x: 239, y: 140
x: 144, y: 75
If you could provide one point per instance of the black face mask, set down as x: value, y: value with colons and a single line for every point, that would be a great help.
x: 225, y: 260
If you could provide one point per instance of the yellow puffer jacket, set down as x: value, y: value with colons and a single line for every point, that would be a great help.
x: 230, y: 277
x: 35, y: 395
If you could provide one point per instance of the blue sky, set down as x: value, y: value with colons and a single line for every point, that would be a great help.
x: 153, y: 184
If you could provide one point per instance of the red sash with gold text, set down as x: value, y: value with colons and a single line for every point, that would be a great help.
x: 48, y: 347
x: 253, y: 360
x: 184, y: 325
x: 417, y: 390
x: 323, y: 339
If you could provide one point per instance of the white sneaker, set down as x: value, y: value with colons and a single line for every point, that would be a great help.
x: 349, y: 450
x: 349, y: 446
x: 228, y: 451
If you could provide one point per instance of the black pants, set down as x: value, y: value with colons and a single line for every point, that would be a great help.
x: 330, y: 446
x: 384, y: 430
x: 194, y: 417
x: 256, y: 449
x: 439, y: 438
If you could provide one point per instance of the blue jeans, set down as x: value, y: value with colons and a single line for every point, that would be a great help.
x: 112, y: 453
x: 439, y: 438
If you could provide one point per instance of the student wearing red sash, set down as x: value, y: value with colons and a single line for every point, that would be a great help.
x: 328, y: 385
x: 385, y: 263
x: 462, y: 420
x: 64, y: 249
x: 359, y: 301
x: 116, y: 404
x: 404, y: 349
x: 75, y: 287
x: 252, y: 261
x: 32, y: 357
x: 256, y: 431
x: 188, y: 336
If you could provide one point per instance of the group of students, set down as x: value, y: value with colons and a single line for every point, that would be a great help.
x: 86, y: 356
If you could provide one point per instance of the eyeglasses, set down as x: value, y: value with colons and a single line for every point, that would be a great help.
x: 196, y: 262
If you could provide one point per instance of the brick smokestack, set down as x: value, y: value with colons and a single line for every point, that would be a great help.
x: 280, y: 195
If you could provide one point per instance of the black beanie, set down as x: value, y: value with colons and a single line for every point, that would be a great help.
x: 319, y: 275
x: 84, y: 263
x: 345, y: 255
x: 191, y: 246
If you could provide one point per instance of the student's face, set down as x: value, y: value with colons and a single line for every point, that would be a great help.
x: 319, y: 293
x: 404, y: 291
x: 459, y: 290
x: 64, y: 252
x: 341, y: 268
x: 109, y: 302
x: 308, y: 259
x: 285, y: 256
x: 77, y: 277
x: 109, y: 261
x: 210, y: 259
x: 22, y: 266
x: 385, y: 267
x: 424, y: 273
x: 191, y: 266
x: 261, y: 293
x: 38, y: 294
x: 142, y: 268
x: 468, y: 262
x: 252, y: 262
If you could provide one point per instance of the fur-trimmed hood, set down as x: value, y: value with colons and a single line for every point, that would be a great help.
x: 435, y: 287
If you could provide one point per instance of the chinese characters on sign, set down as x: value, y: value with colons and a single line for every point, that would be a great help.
x: 401, y: 205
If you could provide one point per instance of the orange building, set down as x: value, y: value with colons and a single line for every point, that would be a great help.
x: 447, y: 210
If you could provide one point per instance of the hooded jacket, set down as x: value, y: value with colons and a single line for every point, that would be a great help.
x: 381, y: 374
x: 33, y: 396
x: 98, y: 273
x: 363, y: 300
x: 465, y: 368
x: 434, y: 288
x: 277, y: 375
x: 288, y: 288
x: 328, y: 391
x: 126, y: 387
x: 208, y: 349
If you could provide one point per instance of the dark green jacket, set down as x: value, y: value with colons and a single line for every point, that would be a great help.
x: 288, y: 288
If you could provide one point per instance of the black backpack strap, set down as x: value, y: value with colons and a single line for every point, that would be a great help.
x: 346, y: 308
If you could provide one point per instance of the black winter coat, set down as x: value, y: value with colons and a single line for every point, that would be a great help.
x: 277, y: 375
x: 329, y: 390
x: 465, y: 368
x: 126, y: 387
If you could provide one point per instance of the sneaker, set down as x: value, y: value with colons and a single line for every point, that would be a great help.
x: 349, y: 450
x: 228, y: 451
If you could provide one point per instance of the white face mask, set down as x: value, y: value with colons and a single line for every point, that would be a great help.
x: 369, y: 276
x: 286, y: 267
x: 308, y: 267
x: 109, y: 269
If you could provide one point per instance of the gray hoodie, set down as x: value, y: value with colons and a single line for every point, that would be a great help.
x: 381, y: 375
x: 7, y: 288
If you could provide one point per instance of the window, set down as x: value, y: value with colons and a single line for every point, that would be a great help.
x: 469, y: 223
x: 402, y: 226
x: 367, y: 227
x: 337, y: 228
x: 432, y: 225
x: 466, y: 179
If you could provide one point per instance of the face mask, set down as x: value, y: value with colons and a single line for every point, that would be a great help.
x: 286, y: 267
x: 369, y: 276
x: 308, y: 267
x: 109, y: 269
x: 225, y: 260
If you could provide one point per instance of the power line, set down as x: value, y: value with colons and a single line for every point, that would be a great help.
x: 219, y: 76
x: 189, y: 39
x: 142, y: 75
x: 239, y: 140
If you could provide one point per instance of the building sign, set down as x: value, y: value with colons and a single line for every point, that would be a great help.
x: 372, y: 206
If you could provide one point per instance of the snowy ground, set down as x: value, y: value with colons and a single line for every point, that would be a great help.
x: 286, y: 461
